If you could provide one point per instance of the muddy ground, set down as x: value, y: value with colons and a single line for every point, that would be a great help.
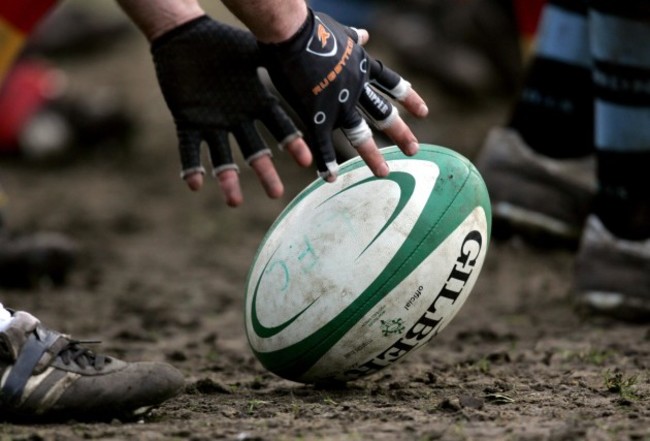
x: 163, y: 274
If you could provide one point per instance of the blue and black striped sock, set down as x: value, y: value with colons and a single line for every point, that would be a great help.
x: 554, y: 114
x: 620, y: 39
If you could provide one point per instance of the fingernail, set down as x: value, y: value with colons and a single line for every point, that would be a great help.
x: 383, y: 170
x: 414, y: 147
x: 423, y: 110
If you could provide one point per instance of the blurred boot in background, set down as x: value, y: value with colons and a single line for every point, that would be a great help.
x: 573, y: 160
x: 33, y: 260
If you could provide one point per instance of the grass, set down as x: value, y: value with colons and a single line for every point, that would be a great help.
x: 617, y: 383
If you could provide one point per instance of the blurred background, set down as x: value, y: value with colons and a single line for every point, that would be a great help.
x: 88, y: 146
x: 465, y: 56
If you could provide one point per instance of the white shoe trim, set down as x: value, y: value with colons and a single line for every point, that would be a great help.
x: 603, y: 300
x: 33, y: 382
x: 53, y: 394
x: 5, y: 375
x: 57, y: 390
x: 595, y: 231
x: 533, y: 220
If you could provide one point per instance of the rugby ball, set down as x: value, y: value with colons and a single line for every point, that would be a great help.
x: 355, y: 275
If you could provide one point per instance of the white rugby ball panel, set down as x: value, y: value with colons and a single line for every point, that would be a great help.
x: 344, y: 254
x: 323, y: 245
x: 397, y: 326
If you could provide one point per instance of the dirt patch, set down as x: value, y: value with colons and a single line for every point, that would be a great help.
x: 163, y: 279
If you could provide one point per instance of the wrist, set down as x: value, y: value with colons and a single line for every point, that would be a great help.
x: 271, y: 21
x: 285, y: 29
x: 297, y: 40
x: 157, y: 18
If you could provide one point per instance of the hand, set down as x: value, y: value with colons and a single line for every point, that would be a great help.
x: 325, y: 74
x: 208, y: 75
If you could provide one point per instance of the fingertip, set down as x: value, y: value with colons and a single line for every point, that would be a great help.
x: 364, y: 36
x: 268, y: 176
x: 328, y: 176
x: 331, y: 172
x: 416, y: 105
x: 382, y: 170
x: 233, y: 198
x: 300, y: 152
x: 412, y: 148
x: 194, y: 181
x: 229, y: 183
x: 422, y: 111
x: 276, y: 191
x: 234, y: 202
x: 372, y: 156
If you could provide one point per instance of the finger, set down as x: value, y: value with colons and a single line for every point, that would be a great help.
x: 220, y: 152
x: 360, y: 36
x: 268, y: 176
x: 230, y: 188
x: 300, y: 152
x: 280, y: 124
x: 250, y: 142
x: 360, y: 136
x: 189, y: 148
x: 377, y: 108
x: 402, y: 135
x: 414, y: 103
x: 395, y: 86
x: 373, y: 158
x: 319, y: 140
x: 385, y: 117
x: 194, y: 181
x: 287, y: 134
x: 224, y: 168
x: 386, y: 79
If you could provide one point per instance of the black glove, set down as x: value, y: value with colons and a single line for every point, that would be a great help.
x: 325, y: 74
x: 208, y: 75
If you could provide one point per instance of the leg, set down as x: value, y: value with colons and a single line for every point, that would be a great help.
x: 540, y: 169
x: 613, y: 263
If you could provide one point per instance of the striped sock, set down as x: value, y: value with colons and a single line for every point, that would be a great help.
x: 554, y: 114
x: 620, y: 37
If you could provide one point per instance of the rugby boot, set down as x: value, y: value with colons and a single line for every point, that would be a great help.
x: 612, y: 274
x: 542, y: 198
x: 47, y: 376
x: 31, y: 260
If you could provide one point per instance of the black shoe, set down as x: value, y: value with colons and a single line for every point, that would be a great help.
x: 31, y: 260
x: 612, y: 275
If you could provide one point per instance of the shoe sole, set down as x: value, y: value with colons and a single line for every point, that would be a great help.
x: 613, y: 304
x: 612, y: 275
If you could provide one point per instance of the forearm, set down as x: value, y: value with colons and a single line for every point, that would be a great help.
x: 272, y: 21
x: 155, y: 17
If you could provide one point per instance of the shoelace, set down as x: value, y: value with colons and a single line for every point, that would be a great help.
x: 83, y: 357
